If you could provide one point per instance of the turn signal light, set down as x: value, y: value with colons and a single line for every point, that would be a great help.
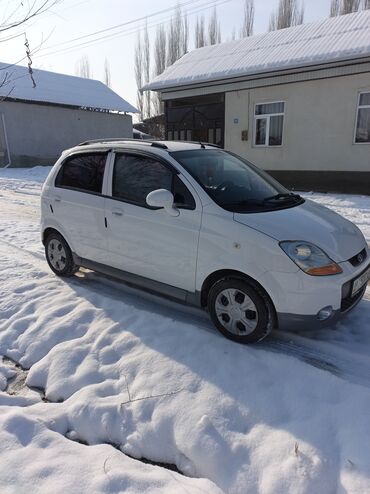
x: 325, y: 270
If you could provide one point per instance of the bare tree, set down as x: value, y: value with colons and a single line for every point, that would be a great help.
x: 139, y: 75
x: 335, y: 8
x: 83, y: 68
x: 177, y: 37
x: 160, y: 50
x: 26, y: 11
x: 349, y: 6
x: 19, y: 17
x: 341, y: 7
x: 170, y: 46
x: 289, y: 13
x: 214, y: 29
x: 160, y: 58
x: 200, y: 37
x: 146, y: 72
x: 107, y: 77
x: 185, y: 34
x: 248, y: 21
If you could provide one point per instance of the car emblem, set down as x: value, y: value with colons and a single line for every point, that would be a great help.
x: 360, y: 258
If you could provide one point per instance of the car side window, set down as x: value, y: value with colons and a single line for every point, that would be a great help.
x: 134, y: 177
x: 83, y: 172
x: 183, y: 197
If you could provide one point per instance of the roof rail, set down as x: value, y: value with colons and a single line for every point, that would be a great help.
x: 202, y: 143
x: 109, y: 139
x: 155, y: 143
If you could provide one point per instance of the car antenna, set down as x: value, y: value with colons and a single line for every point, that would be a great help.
x: 202, y: 145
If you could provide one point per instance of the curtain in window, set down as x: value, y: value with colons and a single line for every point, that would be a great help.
x: 276, y: 130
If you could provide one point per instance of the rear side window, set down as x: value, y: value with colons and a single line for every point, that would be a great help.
x: 135, y: 176
x: 83, y: 172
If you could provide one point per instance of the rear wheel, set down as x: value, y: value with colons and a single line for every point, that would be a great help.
x: 239, y: 310
x: 59, y: 255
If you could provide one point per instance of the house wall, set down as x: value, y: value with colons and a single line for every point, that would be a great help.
x: 318, y: 149
x: 37, y: 134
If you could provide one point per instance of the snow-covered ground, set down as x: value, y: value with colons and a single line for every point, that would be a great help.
x: 116, y: 376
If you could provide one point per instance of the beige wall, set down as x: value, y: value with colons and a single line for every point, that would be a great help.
x: 318, y: 130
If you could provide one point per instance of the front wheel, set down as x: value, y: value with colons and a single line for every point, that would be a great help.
x: 59, y: 255
x: 238, y: 310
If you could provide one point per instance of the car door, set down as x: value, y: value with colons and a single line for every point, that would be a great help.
x: 79, y: 205
x: 146, y: 241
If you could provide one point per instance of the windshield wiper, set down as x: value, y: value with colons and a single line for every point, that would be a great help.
x: 283, y: 197
x: 245, y: 202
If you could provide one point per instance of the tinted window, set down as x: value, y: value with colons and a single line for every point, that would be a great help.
x: 183, y: 198
x: 84, y: 172
x: 135, y: 176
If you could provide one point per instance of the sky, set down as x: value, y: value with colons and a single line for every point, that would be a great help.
x: 50, y: 35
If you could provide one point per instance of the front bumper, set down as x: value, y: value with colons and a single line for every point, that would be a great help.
x: 298, y: 298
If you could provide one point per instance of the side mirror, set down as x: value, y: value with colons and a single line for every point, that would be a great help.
x: 162, y: 198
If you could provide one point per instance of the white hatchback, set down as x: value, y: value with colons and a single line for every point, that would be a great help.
x: 201, y: 225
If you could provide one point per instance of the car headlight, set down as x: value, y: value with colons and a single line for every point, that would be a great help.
x: 311, y: 259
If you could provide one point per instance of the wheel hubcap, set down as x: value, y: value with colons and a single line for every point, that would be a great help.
x: 236, y: 311
x: 57, y: 255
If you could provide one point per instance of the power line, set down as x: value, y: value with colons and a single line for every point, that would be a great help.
x: 123, y: 24
x: 129, y: 31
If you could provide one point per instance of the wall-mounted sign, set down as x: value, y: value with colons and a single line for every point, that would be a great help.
x: 236, y: 120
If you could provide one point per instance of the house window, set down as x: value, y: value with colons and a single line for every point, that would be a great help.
x: 363, y: 119
x: 269, y: 121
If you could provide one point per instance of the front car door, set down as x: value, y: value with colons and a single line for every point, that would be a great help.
x: 147, y: 241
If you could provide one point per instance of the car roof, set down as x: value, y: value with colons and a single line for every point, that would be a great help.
x: 139, y: 144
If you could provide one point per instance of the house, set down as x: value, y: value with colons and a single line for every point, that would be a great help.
x: 38, y: 121
x: 295, y: 101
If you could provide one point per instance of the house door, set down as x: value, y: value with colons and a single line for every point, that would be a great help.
x: 4, y: 148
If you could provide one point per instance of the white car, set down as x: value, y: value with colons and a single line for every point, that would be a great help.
x: 201, y: 225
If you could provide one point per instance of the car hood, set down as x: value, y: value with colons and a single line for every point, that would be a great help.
x: 311, y: 222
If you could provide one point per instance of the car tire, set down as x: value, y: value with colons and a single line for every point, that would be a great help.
x: 239, y: 310
x: 59, y: 255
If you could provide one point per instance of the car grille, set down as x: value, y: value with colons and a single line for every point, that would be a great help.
x: 358, y: 258
x: 349, y: 302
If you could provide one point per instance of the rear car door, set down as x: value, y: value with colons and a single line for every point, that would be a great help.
x: 78, y: 204
x: 146, y: 241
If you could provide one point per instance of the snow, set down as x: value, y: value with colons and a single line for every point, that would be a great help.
x: 59, y: 89
x: 331, y: 40
x: 135, y: 377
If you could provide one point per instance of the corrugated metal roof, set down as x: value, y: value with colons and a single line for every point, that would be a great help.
x: 338, y: 38
x: 59, y: 89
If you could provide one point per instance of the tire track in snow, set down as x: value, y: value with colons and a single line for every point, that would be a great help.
x: 342, y: 367
x: 279, y: 342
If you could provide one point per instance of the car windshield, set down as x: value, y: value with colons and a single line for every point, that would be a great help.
x: 234, y: 183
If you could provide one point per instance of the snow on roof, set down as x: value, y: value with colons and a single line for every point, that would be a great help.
x: 338, y: 38
x: 59, y: 89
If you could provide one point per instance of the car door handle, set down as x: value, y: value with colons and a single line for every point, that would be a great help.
x: 117, y: 212
x: 57, y: 199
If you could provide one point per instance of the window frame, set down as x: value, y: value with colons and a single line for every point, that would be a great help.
x: 268, y: 116
x: 366, y: 91
x: 154, y: 157
x: 76, y: 154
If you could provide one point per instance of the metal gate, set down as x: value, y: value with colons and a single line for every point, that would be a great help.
x: 200, y: 118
